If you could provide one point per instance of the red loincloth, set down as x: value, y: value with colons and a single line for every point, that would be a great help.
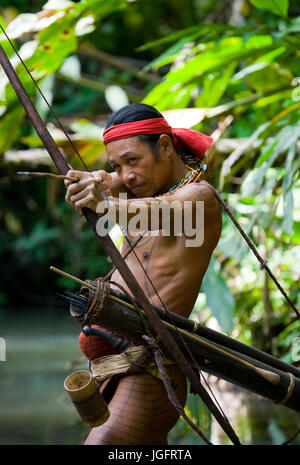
x: 99, y: 348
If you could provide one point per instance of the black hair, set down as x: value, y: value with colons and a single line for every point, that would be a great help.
x: 141, y: 111
x: 137, y: 112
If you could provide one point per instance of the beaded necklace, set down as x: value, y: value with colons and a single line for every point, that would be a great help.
x: 193, y: 175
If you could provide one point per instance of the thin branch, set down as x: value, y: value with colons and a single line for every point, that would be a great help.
x: 135, y: 95
x: 118, y: 63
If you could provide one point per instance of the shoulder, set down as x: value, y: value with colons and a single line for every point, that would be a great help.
x: 196, y: 191
x: 201, y: 192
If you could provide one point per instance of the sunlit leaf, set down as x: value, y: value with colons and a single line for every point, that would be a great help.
x: 214, y: 86
x: 22, y: 24
x: 87, y: 129
x: 57, y: 4
x: 278, y: 7
x: 46, y: 88
x: 71, y: 67
x: 116, y: 97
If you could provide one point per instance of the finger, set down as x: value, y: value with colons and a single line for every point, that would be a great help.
x: 98, y: 174
x: 73, y: 175
x: 76, y: 187
x: 102, y: 177
x: 82, y: 194
x: 86, y: 202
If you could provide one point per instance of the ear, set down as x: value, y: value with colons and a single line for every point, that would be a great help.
x: 166, y: 145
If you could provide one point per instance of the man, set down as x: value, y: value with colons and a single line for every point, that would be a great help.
x: 152, y: 163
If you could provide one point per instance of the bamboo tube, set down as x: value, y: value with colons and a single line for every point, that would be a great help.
x: 87, y: 398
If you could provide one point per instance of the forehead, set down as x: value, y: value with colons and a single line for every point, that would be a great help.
x: 120, y: 148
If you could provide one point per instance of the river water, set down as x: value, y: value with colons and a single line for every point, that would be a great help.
x: 35, y: 410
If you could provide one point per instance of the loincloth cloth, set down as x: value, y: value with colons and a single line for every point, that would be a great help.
x: 108, y: 367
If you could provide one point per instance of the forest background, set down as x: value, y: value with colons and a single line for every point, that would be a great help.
x: 228, y: 68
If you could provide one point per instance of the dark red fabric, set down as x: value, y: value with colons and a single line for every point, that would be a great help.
x: 196, y: 142
x: 99, y: 348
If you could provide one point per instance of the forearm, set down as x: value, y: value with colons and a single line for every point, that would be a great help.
x: 117, y: 187
x: 146, y: 213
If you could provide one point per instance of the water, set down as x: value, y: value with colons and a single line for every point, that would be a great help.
x: 35, y: 409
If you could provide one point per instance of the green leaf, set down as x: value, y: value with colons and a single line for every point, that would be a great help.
x: 278, y: 7
x: 270, y: 79
x: 284, y: 139
x: 188, y: 33
x: 287, y: 191
x: 288, y: 213
x: 88, y: 130
x: 10, y: 127
x: 219, y: 297
x: 214, y: 86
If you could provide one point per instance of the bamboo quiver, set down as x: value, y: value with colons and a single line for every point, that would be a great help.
x: 260, y: 373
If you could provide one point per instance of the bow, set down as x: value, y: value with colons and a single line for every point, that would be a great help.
x: 109, y: 247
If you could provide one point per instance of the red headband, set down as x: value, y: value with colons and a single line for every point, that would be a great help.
x: 195, y: 141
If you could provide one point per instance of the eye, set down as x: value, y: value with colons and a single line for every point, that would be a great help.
x: 116, y: 167
x: 131, y: 160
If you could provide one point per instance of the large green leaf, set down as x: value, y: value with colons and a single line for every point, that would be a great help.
x: 278, y: 7
x: 10, y: 127
x: 283, y: 140
x: 204, y: 30
x: 219, y: 297
x: 214, y: 86
x: 288, y: 199
x: 224, y: 54
x: 270, y: 79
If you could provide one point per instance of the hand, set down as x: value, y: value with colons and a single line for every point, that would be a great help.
x: 87, y: 188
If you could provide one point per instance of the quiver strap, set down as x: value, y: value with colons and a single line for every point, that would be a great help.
x: 96, y: 303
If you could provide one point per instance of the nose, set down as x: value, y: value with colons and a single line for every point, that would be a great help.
x: 127, y: 175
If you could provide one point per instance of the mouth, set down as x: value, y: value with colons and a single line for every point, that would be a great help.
x: 136, y: 189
